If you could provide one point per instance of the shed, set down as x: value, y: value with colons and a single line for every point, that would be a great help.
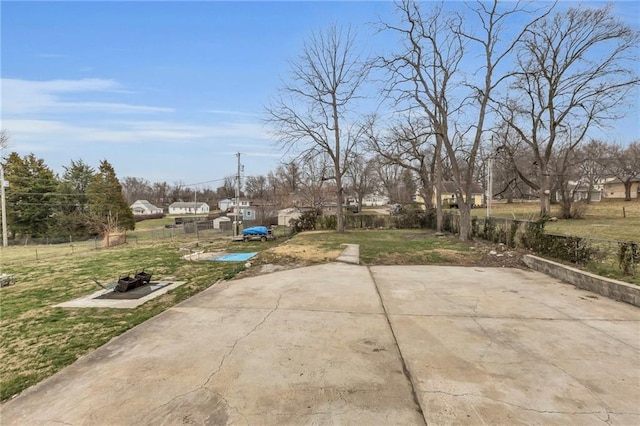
x: 218, y: 222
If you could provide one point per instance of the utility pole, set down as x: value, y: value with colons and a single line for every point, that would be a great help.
x: 195, y: 211
x: 236, y: 227
x: 490, y: 187
x: 5, y: 243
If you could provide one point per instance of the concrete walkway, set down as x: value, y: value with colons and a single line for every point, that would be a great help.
x: 347, y: 344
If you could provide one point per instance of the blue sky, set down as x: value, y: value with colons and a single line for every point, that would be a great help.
x: 166, y: 91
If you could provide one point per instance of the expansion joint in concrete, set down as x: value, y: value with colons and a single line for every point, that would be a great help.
x: 405, y: 367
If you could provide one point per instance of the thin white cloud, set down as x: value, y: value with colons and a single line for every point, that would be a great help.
x: 45, y: 135
x: 25, y: 97
x: 229, y: 112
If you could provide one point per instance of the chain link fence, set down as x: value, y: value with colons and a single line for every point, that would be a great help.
x: 34, y: 249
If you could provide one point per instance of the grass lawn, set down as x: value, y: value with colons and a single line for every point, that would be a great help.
x: 603, y: 220
x: 36, y: 339
x: 389, y: 247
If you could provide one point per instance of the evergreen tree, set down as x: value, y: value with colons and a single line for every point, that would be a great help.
x: 106, y: 198
x: 73, y: 216
x: 30, y: 196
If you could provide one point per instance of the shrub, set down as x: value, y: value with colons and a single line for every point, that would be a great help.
x: 306, y: 221
x: 628, y: 257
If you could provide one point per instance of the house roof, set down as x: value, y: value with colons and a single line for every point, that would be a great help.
x: 449, y: 186
x: 187, y: 205
x: 144, y: 203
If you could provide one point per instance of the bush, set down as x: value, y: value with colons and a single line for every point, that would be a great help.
x: 628, y: 257
x: 306, y: 221
x: 412, y: 216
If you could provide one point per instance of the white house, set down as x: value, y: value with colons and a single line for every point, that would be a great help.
x: 375, y: 200
x: 225, y: 204
x: 143, y: 207
x: 190, y: 207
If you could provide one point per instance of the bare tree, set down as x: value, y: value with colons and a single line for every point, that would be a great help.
x: 288, y: 175
x: 160, y: 193
x: 591, y: 165
x: 362, y: 177
x: 390, y: 176
x: 227, y: 190
x: 410, y: 144
x: 312, y: 191
x: 624, y: 164
x: 574, y: 70
x: 428, y: 73
x: 4, y: 139
x: 136, y: 189
x: 256, y: 187
x: 311, y: 113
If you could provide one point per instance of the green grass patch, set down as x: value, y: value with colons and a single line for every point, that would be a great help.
x: 36, y: 339
x: 604, y: 220
x: 392, y: 247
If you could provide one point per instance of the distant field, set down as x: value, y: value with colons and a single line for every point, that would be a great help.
x: 603, y: 220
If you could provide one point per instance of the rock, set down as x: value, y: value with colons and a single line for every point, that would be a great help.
x: 493, y: 252
x: 247, y: 265
x: 500, y: 255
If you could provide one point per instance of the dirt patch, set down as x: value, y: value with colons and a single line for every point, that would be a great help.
x: 304, y: 253
x: 499, y: 255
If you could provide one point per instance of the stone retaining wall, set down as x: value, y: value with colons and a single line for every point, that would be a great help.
x: 607, y: 287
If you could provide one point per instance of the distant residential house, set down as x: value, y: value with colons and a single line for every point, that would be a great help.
x: 614, y: 188
x: 371, y: 200
x: 225, y: 204
x: 189, y: 207
x: 248, y: 214
x: 245, y: 213
x: 580, y: 192
x: 143, y: 207
x: 449, y: 197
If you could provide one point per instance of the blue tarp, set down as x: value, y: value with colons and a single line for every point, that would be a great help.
x: 255, y: 230
x: 236, y: 257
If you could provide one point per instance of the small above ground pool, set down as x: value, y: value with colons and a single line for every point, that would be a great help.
x: 236, y: 257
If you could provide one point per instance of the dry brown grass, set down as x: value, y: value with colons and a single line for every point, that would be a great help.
x: 605, y: 220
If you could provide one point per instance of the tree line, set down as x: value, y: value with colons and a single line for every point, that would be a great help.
x: 82, y: 202
x: 517, y: 85
x: 523, y: 83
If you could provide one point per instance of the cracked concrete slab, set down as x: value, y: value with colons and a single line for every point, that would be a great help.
x: 346, y: 344
x: 301, y: 346
x: 499, y: 346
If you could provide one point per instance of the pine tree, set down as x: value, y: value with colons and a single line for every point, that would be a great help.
x: 73, y: 216
x: 106, y: 198
x: 30, y: 196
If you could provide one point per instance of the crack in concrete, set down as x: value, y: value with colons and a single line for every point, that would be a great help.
x: 328, y: 311
x: 233, y: 347
x: 512, y: 404
x: 405, y: 367
x: 510, y: 317
x: 586, y: 322
x: 221, y: 364
x: 533, y: 355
